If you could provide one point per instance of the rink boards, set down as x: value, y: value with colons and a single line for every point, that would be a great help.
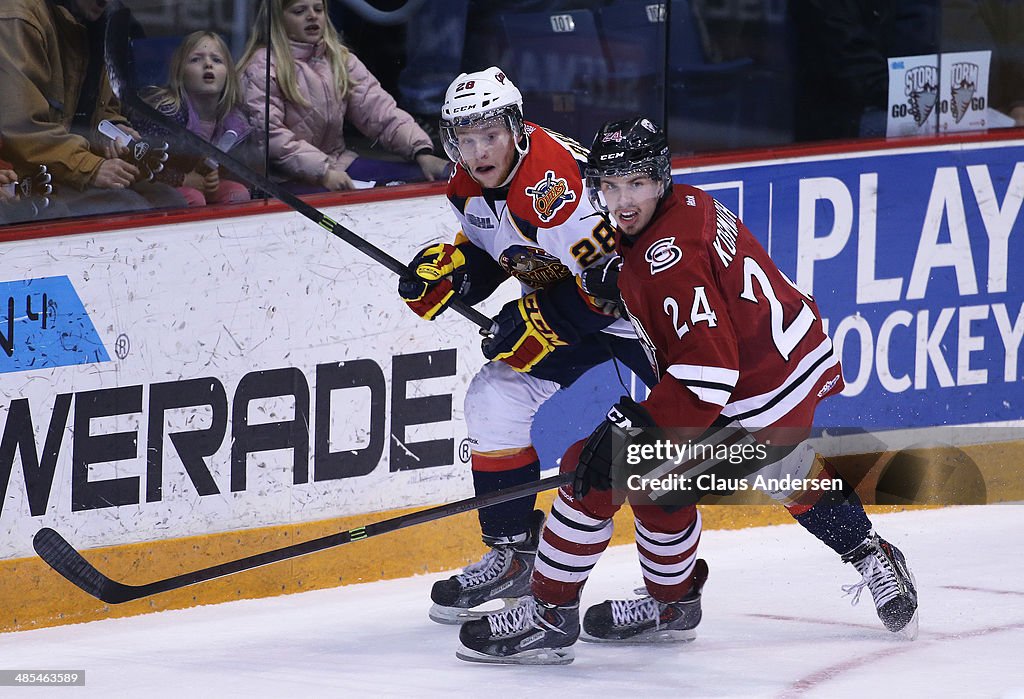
x: 175, y: 396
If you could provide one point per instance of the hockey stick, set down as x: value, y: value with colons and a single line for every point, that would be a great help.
x: 63, y: 558
x: 118, y: 58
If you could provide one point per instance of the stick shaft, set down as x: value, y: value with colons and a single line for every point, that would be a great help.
x: 60, y: 555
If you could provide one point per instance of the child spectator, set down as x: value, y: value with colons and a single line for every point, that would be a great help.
x: 204, y: 96
x: 315, y: 84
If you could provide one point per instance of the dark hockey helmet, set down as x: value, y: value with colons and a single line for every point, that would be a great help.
x: 625, y: 147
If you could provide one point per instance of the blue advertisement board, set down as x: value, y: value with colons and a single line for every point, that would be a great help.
x: 916, y: 259
x: 43, y: 324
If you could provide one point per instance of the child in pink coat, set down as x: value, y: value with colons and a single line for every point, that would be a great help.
x: 315, y: 85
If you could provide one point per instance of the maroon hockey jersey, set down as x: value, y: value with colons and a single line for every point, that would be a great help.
x: 725, y: 330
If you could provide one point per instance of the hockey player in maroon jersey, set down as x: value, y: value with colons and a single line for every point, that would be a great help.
x: 517, y: 193
x: 733, y: 342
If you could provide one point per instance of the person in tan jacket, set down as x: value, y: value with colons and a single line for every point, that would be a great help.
x: 54, y: 93
x: 315, y: 85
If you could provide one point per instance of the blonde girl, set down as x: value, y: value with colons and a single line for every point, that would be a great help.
x: 203, y: 94
x: 316, y: 83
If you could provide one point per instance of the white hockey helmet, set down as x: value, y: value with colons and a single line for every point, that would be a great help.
x: 475, y: 98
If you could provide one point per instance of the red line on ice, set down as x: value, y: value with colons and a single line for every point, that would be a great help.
x: 827, y: 674
x: 982, y: 589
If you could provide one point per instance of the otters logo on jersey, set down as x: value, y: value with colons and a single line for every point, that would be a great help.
x: 550, y: 195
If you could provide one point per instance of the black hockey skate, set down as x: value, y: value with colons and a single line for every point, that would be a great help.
x: 502, y: 574
x: 884, y: 571
x: 531, y: 633
x: 646, y: 620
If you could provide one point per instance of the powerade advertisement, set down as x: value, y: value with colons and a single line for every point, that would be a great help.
x: 916, y: 259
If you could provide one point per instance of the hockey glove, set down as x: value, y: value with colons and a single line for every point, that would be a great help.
x: 601, y: 281
x: 36, y: 190
x: 148, y: 157
x: 626, y: 423
x: 433, y: 279
x: 529, y: 329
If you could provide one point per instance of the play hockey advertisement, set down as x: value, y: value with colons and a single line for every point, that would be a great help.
x: 212, y: 376
x: 912, y: 256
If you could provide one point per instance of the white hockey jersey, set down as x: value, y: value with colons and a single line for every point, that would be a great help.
x: 541, y: 228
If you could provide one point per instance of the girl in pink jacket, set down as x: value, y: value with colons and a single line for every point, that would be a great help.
x: 315, y: 84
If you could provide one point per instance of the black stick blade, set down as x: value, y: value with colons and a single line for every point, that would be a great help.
x: 63, y: 558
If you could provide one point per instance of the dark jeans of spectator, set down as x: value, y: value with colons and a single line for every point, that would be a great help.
x: 142, y: 196
x: 27, y: 211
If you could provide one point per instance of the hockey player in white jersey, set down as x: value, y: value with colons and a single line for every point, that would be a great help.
x: 517, y: 193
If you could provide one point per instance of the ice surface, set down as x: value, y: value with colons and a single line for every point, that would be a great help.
x: 775, y: 625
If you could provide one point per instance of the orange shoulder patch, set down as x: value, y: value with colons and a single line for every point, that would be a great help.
x: 547, y: 188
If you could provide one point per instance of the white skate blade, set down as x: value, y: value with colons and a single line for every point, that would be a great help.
x: 538, y: 656
x: 460, y: 615
x: 662, y: 636
x: 908, y: 632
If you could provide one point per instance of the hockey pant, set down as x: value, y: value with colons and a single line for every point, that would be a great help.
x: 577, y: 533
x: 836, y: 517
x: 500, y: 407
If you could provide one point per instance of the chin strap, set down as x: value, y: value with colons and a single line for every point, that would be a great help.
x: 521, y: 152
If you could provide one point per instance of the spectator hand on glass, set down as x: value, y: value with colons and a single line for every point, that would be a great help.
x: 433, y: 168
x: 335, y: 180
x: 7, y: 177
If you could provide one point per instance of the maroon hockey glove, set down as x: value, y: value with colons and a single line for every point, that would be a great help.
x: 148, y: 157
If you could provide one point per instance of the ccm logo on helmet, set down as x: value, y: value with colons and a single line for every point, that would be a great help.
x: 663, y: 254
x: 611, y: 156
